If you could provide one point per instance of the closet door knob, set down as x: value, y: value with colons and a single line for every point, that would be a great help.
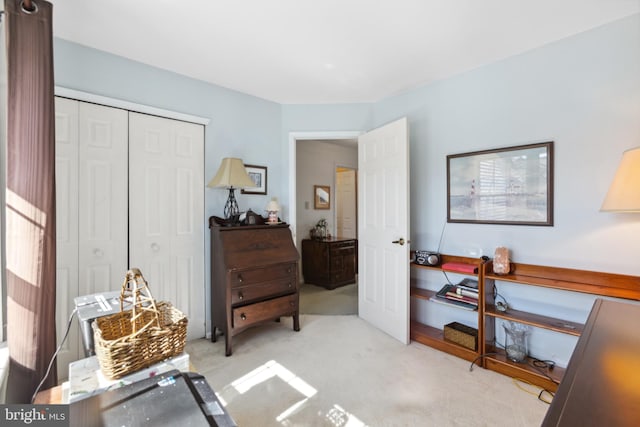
x: 98, y: 252
x: 155, y: 247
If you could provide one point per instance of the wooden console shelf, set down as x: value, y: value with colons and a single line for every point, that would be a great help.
x: 421, y: 293
x: 493, y: 357
x: 537, y: 320
x: 564, y: 279
x: 543, y: 377
x: 434, y: 337
x: 590, y: 282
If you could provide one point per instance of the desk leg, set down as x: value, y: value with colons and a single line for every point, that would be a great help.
x: 227, y: 343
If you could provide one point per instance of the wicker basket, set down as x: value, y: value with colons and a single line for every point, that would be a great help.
x: 460, y: 334
x: 134, y: 339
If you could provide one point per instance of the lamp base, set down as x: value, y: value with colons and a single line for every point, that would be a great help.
x: 231, y: 209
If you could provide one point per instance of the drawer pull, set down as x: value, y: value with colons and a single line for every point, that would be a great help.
x: 290, y: 284
x: 243, y: 316
x: 240, y: 296
x: 289, y: 270
x: 240, y: 279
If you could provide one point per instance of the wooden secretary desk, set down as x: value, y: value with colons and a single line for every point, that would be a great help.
x: 254, y: 277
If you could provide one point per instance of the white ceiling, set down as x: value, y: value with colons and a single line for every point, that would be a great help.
x: 326, y: 51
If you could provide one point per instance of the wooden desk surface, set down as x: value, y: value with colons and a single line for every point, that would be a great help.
x: 52, y: 395
x: 601, y: 386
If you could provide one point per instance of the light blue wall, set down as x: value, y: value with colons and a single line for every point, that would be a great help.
x: 241, y: 125
x: 583, y: 93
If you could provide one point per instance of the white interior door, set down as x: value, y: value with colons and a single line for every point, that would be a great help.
x: 91, y: 209
x: 102, y: 192
x: 166, y: 222
x: 346, y: 203
x: 66, y: 228
x: 383, y: 228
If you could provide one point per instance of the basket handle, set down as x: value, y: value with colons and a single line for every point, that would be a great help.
x: 136, y: 288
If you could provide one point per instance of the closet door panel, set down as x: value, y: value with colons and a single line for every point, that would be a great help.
x: 102, y: 198
x: 166, y: 187
x: 66, y: 117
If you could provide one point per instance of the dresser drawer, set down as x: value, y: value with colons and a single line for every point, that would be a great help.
x: 267, y: 310
x: 344, y: 246
x: 263, y: 274
x: 249, y: 293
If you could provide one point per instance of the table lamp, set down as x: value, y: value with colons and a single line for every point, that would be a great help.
x: 231, y: 175
x: 272, y: 211
x: 624, y: 193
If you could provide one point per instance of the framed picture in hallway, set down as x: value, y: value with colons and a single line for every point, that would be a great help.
x: 258, y: 175
x: 512, y: 185
x: 321, y: 197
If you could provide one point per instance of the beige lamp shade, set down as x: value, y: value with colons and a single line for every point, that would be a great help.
x: 624, y: 193
x: 273, y: 206
x: 231, y: 174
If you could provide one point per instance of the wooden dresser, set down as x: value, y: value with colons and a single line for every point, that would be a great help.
x: 254, y: 277
x: 330, y: 262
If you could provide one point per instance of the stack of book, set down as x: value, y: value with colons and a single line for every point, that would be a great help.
x: 459, y: 295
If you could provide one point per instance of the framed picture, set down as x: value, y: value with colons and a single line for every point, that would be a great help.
x: 258, y: 175
x: 503, y: 186
x: 321, y: 197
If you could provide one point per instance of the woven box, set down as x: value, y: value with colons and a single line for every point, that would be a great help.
x: 460, y: 334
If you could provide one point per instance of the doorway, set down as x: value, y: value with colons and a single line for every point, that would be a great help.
x: 346, y: 202
x: 328, y: 160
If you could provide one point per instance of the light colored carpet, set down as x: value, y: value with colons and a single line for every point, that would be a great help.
x: 340, y: 371
x: 318, y: 300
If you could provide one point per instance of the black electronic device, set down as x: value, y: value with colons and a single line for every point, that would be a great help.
x: 427, y: 258
x: 172, y: 398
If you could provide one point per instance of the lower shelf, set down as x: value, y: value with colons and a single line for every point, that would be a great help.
x: 434, y: 337
x: 542, y: 377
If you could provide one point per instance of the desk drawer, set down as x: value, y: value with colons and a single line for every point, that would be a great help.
x: 267, y: 310
x: 344, y: 247
x: 264, y: 274
x: 246, y: 294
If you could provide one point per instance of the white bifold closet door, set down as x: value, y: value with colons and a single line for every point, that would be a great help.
x: 166, y: 204
x: 129, y: 193
x: 91, y: 210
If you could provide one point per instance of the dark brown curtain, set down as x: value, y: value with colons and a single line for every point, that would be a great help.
x: 30, y: 197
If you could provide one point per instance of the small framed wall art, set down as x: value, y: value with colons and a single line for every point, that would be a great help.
x: 258, y: 175
x: 321, y: 197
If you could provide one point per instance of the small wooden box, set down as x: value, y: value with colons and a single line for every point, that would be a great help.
x: 463, y: 335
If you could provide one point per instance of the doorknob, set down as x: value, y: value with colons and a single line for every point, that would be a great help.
x: 400, y: 241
